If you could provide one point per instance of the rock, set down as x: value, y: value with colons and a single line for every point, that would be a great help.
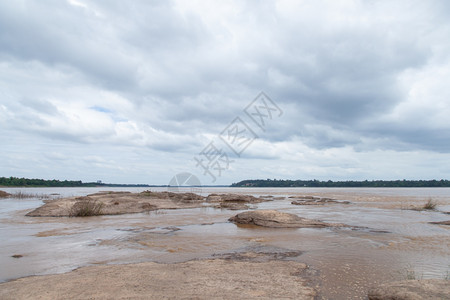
x: 182, y: 197
x: 233, y: 198
x: 303, y: 197
x: 233, y: 206
x: 4, y: 194
x: 411, y: 290
x: 441, y: 223
x: 115, y: 203
x: 259, y: 254
x: 276, y: 219
x: 197, y: 279
x: 317, y: 201
x: 307, y: 202
x: 234, y: 201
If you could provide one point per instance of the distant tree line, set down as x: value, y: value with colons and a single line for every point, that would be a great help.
x: 15, y: 181
x: 349, y: 183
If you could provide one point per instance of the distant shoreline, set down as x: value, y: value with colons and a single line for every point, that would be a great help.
x: 8, y: 182
x: 343, y: 184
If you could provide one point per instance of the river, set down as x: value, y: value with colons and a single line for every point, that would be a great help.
x: 389, y: 241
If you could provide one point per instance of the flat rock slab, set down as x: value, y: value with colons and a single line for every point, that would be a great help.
x: 276, y: 219
x: 441, y: 223
x: 412, y: 290
x: 234, y: 201
x: 259, y: 254
x: 115, y: 203
x: 317, y: 201
x: 234, y: 198
x: 204, y: 279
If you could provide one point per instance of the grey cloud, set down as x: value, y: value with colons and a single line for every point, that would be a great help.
x: 182, y: 72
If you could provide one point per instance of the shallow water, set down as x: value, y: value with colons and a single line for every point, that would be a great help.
x: 389, y: 242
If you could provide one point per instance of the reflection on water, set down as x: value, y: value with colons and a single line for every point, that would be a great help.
x: 389, y: 243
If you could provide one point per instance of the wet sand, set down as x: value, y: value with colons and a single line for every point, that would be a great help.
x: 391, y: 242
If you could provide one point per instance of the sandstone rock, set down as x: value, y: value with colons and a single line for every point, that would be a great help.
x: 234, y: 201
x: 276, y: 219
x: 182, y: 197
x: 307, y: 202
x: 259, y: 254
x: 233, y: 206
x: 412, y: 290
x: 441, y: 223
x: 115, y: 203
x: 198, y: 279
x: 233, y: 198
x: 317, y: 201
x: 303, y: 197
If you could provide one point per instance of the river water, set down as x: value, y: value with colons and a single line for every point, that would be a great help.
x: 389, y: 241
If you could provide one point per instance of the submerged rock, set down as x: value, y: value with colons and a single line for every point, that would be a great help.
x: 441, y: 223
x: 259, y: 254
x: 233, y: 198
x: 276, y: 219
x: 412, y: 289
x: 310, y: 200
x: 233, y: 206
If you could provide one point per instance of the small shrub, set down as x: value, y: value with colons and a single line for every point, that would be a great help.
x: 86, y: 207
x: 4, y: 194
x: 411, y: 274
x: 22, y: 195
x: 430, y: 204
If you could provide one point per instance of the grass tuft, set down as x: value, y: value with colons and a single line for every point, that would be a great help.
x: 430, y: 205
x: 86, y: 207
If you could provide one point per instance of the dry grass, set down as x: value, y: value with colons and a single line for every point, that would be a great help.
x: 24, y: 195
x: 430, y: 205
x: 86, y: 207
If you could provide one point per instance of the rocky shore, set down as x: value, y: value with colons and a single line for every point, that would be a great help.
x: 276, y: 219
x: 257, y: 271
x: 116, y: 203
x: 201, y: 279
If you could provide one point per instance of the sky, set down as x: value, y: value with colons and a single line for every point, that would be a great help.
x: 140, y: 91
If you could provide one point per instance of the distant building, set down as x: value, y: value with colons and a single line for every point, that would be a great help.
x: 99, y: 181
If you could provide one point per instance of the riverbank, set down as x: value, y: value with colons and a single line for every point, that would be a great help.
x: 384, y: 241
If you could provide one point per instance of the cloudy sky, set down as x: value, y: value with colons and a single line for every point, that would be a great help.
x: 138, y: 91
